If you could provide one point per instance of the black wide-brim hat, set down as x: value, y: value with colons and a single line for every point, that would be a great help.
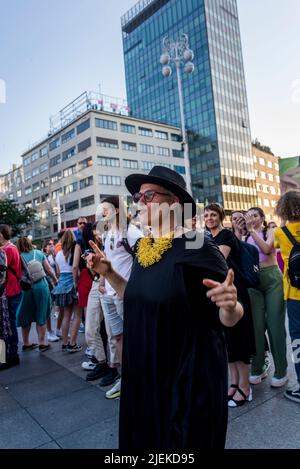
x: 166, y: 178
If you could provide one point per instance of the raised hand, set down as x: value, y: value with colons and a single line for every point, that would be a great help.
x: 98, y: 262
x: 250, y: 221
x: 223, y: 294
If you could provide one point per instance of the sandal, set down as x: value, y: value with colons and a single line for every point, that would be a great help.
x: 26, y: 348
x: 235, y: 403
x: 230, y: 396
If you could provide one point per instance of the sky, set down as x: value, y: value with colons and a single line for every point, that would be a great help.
x: 53, y: 50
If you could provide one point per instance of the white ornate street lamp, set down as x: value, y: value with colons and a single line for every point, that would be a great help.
x: 179, y: 53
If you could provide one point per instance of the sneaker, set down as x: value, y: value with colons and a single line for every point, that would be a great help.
x: 100, y: 371
x: 111, y: 376
x: 52, y: 337
x: 90, y: 365
x: 88, y: 352
x: 73, y: 348
x: 257, y: 379
x: 58, y: 333
x: 82, y: 328
x: 267, y: 361
x: 115, y: 391
x: 278, y: 382
x: 64, y: 348
x: 293, y: 395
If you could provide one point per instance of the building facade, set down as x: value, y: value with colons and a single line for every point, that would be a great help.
x: 86, y: 157
x: 11, y: 184
x: 267, y: 181
x: 216, y: 110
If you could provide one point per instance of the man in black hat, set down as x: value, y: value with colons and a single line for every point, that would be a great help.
x: 174, y: 388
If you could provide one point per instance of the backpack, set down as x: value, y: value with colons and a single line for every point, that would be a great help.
x: 35, y: 269
x: 294, y: 260
x: 3, y: 272
x: 248, y: 267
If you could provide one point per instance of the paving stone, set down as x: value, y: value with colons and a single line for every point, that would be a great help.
x: 7, y: 402
x: 102, y: 435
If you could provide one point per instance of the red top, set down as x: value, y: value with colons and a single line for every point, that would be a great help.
x: 13, y: 260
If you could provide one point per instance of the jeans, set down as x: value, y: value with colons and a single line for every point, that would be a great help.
x: 12, y: 342
x: 293, y: 310
x: 113, y: 312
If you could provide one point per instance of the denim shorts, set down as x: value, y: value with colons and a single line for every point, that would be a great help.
x: 113, y: 313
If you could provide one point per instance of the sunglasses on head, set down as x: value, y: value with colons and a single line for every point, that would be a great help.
x: 147, y: 195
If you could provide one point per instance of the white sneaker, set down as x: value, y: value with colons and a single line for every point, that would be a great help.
x: 88, y: 366
x: 278, y: 382
x: 52, y: 337
x: 88, y: 352
x: 58, y: 333
x: 257, y: 379
x: 115, y: 391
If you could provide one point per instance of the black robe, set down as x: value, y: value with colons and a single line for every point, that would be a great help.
x: 174, y: 370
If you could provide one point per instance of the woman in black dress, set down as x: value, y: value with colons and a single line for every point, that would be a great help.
x: 174, y: 385
x: 240, y: 339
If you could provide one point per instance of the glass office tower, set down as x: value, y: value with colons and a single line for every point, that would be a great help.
x: 215, y: 97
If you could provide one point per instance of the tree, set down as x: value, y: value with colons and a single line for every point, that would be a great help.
x: 17, y: 217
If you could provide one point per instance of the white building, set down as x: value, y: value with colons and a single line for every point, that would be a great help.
x: 92, y: 146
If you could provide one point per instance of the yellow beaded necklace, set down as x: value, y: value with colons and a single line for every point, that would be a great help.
x: 150, y: 250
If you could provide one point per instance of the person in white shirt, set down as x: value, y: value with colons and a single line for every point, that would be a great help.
x: 118, y: 242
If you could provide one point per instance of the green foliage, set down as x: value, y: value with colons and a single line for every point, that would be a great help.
x: 261, y: 147
x: 17, y: 217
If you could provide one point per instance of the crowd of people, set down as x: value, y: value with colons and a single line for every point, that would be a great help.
x: 166, y: 314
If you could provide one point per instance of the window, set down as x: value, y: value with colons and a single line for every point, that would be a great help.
x: 35, y: 186
x: 69, y: 171
x: 262, y: 161
x: 105, y: 161
x: 54, y: 144
x: 44, y: 198
x: 35, y: 172
x: 36, y: 201
x: 162, y: 135
x: 68, y: 136
x: 43, y: 167
x: 68, y: 154
x: 27, y: 176
x: 56, y: 193
x: 270, y: 164
x: 55, y: 160
x: 129, y: 146
x: 83, y: 126
x: 86, y: 182
x: 87, y: 201
x: 110, y: 180
x: 176, y: 138
x: 130, y: 164
x: 105, y: 124
x: 272, y: 190
x: 263, y: 175
x: 147, y: 148
x: 265, y: 188
x: 26, y: 161
x: 34, y: 157
x: 56, y: 177
x: 162, y: 151
x: 177, y: 153
x: 258, y: 187
x: 84, y: 145
x: 85, y: 163
x: 276, y: 166
x: 43, y: 152
x: 179, y: 169
x: 277, y: 178
x: 44, y: 183
x: 130, y: 129
x: 72, y: 206
x: 19, y: 193
x: 271, y: 177
x: 147, y: 165
x: 70, y: 188
x: 107, y: 142
x: 266, y: 203
x: 145, y: 132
